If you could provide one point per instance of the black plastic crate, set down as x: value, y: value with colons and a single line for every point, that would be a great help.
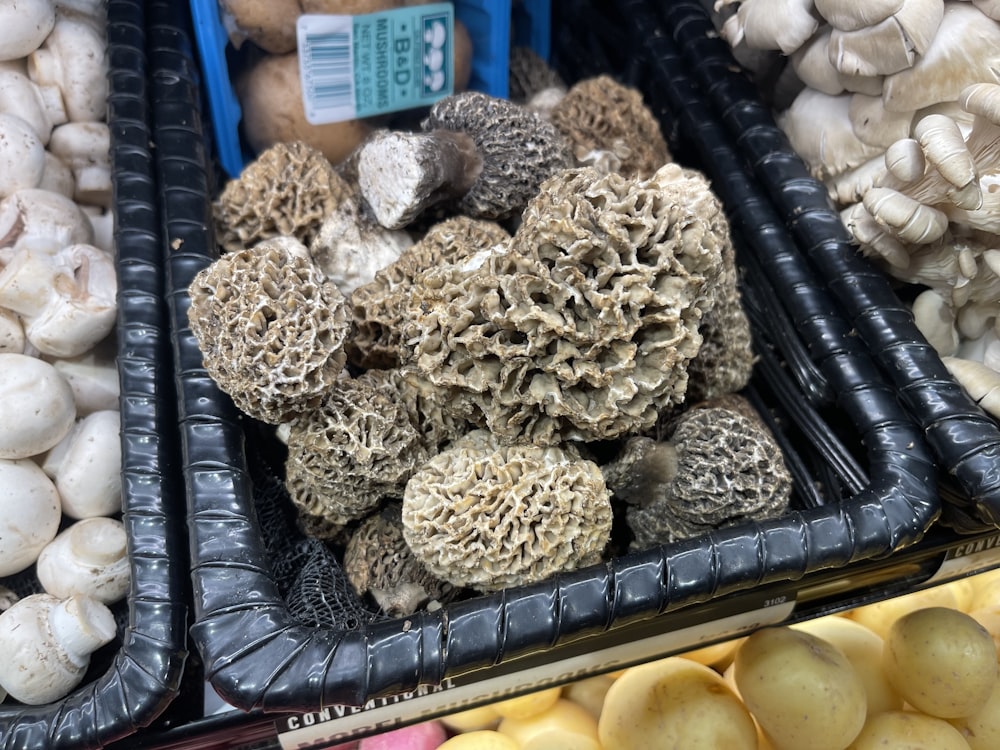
x: 690, y: 64
x: 136, y: 676
x: 841, y: 425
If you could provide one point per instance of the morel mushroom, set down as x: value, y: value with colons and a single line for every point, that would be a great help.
x: 287, y: 190
x: 378, y: 306
x: 480, y: 156
x: 582, y: 326
x: 270, y: 327
x: 506, y: 516
x: 378, y: 562
x: 719, y: 467
x: 356, y: 448
x: 607, y: 122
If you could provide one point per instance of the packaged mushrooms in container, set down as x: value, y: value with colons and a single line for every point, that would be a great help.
x: 482, y: 372
x: 82, y: 434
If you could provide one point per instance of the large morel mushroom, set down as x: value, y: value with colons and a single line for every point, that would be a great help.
x: 487, y: 516
x: 270, y: 328
x: 582, y: 326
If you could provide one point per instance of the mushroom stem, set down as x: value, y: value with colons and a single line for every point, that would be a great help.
x: 402, y: 174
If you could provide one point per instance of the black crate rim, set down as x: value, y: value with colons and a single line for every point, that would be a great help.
x: 146, y: 672
x: 257, y: 657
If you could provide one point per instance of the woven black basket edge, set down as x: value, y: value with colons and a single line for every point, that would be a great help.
x: 145, y: 673
x: 965, y: 440
x: 257, y: 657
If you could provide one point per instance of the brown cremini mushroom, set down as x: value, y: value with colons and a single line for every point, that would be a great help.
x: 271, y: 329
x: 718, y: 467
x: 582, y: 326
x: 602, y: 116
x: 287, y: 190
x: 354, y: 449
x: 506, y: 516
x: 478, y: 155
x: 378, y: 562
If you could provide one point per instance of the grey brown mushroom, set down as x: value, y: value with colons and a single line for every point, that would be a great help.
x: 356, y: 448
x: 287, y: 190
x: 583, y: 325
x: 529, y: 75
x: 476, y: 154
x: 491, y: 517
x: 270, y: 328
x: 720, y: 466
x: 608, y: 122
x: 377, y: 562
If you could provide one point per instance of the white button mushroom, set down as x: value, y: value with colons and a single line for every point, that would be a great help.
x: 36, y: 406
x: 29, y: 514
x: 40, y: 106
x: 88, y: 476
x: 27, y: 280
x: 94, y: 379
x: 88, y: 558
x: 11, y: 332
x: 80, y: 308
x: 22, y: 155
x: 24, y: 26
x: 86, y: 148
x: 43, y: 213
x: 73, y: 58
x: 47, y: 645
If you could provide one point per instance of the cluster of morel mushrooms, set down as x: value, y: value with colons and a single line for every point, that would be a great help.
x: 446, y: 324
x: 895, y: 105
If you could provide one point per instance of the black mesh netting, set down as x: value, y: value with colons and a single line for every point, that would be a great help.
x: 307, y: 571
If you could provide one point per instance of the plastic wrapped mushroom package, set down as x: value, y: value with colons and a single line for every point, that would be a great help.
x: 497, y: 362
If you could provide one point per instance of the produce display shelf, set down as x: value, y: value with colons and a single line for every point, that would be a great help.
x: 259, y: 657
x: 133, y: 679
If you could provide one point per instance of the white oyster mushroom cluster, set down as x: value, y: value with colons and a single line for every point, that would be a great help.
x: 60, y: 445
x: 898, y: 113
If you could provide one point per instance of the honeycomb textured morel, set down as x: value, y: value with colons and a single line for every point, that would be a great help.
x: 718, y: 468
x: 724, y: 363
x: 270, y: 328
x: 601, y: 115
x: 518, y: 148
x: 356, y: 448
x: 378, y: 563
x: 529, y: 74
x: 583, y: 325
x: 430, y: 412
x: 513, y: 515
x: 378, y: 307
x: 287, y: 190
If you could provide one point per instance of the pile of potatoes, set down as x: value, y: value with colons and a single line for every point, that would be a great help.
x: 918, y: 672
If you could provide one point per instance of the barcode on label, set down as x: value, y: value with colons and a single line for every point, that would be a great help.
x: 327, y: 71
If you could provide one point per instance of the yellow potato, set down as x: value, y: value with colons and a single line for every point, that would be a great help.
x: 483, y: 717
x: 863, y: 648
x: 555, y: 739
x: 964, y: 591
x: 562, y: 718
x: 985, y: 590
x: 880, y: 616
x: 982, y: 729
x: 674, y: 702
x: 589, y: 693
x: 941, y: 661
x: 989, y: 619
x: 801, y: 689
x: 481, y: 739
x: 718, y: 655
x: 904, y: 730
x: 524, y: 706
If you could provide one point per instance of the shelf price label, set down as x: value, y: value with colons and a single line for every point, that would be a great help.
x: 371, y: 64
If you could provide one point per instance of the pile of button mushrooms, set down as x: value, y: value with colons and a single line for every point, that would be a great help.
x: 62, y: 548
x: 897, y: 110
x: 481, y: 336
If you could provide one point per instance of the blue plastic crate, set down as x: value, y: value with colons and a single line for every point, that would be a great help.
x: 491, y: 25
